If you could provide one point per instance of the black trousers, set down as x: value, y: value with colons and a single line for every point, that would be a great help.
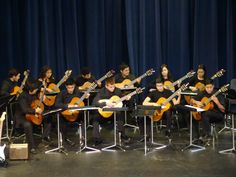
x: 209, y: 117
x: 97, y: 118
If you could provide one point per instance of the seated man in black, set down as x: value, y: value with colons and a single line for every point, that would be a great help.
x: 25, y: 99
x: 8, y: 85
x: 106, y: 93
x: 210, y: 116
x: 152, y: 99
x: 64, y: 100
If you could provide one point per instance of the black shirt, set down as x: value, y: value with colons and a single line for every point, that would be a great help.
x: 64, y: 98
x: 155, y: 95
x: 194, y: 80
x: 81, y: 80
x: 205, y: 94
x: 7, y: 87
x: 104, y: 93
x: 119, y: 78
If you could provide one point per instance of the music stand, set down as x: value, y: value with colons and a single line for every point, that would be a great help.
x: 232, y: 110
x: 144, y: 111
x: 85, y: 109
x: 191, y: 145
x: 5, y: 101
x: 129, y: 89
x: 115, y: 145
x: 59, y: 147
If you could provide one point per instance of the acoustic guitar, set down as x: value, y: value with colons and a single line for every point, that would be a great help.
x: 207, y: 102
x: 72, y: 115
x: 38, y: 103
x: 118, y: 102
x: 127, y: 83
x: 171, y: 86
x: 165, y: 103
x: 50, y: 100
x: 200, y: 86
x: 18, y: 90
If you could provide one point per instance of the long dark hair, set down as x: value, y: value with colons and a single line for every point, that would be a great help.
x: 201, y: 66
x: 43, y: 71
x: 169, y: 76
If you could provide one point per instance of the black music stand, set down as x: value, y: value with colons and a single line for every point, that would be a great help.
x: 232, y: 110
x: 191, y: 145
x: 129, y: 89
x: 4, y: 102
x: 144, y: 111
x: 85, y: 109
x: 115, y: 145
x: 59, y: 136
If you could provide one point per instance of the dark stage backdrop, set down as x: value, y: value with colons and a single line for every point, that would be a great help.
x: 70, y: 34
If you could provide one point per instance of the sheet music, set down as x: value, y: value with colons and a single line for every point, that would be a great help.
x: 196, y: 108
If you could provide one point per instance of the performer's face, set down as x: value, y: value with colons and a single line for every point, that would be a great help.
x: 16, y: 78
x: 164, y: 72
x: 110, y: 87
x: 49, y: 73
x: 160, y: 87
x: 70, y: 88
x: 200, y: 72
x: 209, y: 88
x: 125, y: 72
x: 87, y: 76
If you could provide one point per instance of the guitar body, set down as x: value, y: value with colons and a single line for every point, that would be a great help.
x: 159, y: 113
x: 209, y: 106
x: 85, y: 86
x: 123, y: 84
x: 16, y: 90
x: 35, y: 118
x: 107, y: 114
x: 71, y: 115
x: 50, y: 100
x: 187, y: 98
x: 200, y: 86
x: 168, y: 85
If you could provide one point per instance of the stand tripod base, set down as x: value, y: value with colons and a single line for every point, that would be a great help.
x: 56, y: 150
x: 89, y: 150
x: 228, y: 151
x: 196, y: 148
x: 113, y: 147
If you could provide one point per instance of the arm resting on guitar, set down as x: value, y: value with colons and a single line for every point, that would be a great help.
x: 59, y: 102
x: 96, y: 101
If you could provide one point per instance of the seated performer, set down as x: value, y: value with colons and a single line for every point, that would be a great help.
x: 154, y: 97
x: 213, y: 115
x: 85, y: 79
x: 8, y: 85
x: 68, y: 98
x: 25, y: 100
x: 125, y: 74
x: 106, y: 93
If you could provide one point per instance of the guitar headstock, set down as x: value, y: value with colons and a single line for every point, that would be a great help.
x: 139, y: 90
x: 190, y: 74
x: 110, y: 73
x: 68, y: 73
x: 218, y: 74
x: 26, y: 73
x: 184, y: 87
x: 224, y: 88
x: 150, y: 72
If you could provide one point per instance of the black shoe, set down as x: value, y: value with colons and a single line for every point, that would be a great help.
x: 97, y: 141
x: 167, y: 134
x: 125, y: 138
x: 33, y: 151
x: 68, y: 141
x: 47, y: 139
x: 142, y: 139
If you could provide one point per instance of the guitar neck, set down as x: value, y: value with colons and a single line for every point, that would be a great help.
x: 59, y: 83
x: 178, y: 81
x: 210, y: 99
x: 93, y: 86
x: 171, y: 97
x: 135, y: 80
x: 124, y: 97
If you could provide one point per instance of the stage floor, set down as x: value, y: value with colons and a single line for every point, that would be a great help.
x: 166, y: 162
